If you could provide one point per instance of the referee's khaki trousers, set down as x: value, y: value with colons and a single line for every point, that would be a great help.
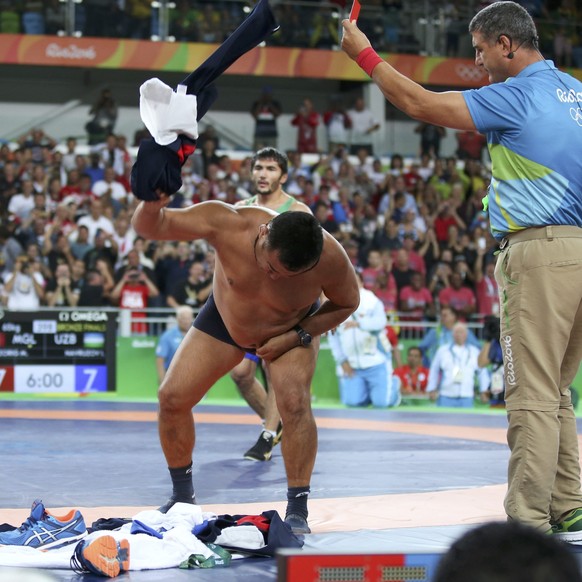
x: 539, y: 273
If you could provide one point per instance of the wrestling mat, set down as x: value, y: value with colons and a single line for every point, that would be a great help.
x: 400, y: 481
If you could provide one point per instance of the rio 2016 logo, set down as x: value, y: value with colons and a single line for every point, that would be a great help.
x: 576, y: 115
x: 509, y: 366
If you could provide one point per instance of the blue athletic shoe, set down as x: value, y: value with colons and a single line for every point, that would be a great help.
x: 43, y: 530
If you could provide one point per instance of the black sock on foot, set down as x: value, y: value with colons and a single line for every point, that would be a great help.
x: 183, y: 488
x: 297, y: 501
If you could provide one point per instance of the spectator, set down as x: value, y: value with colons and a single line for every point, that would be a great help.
x: 113, y: 154
x: 109, y: 190
x: 124, y: 237
x: 363, y: 126
x: 415, y: 300
x: 451, y: 378
x: 362, y: 355
x: 324, y: 33
x: 58, y: 253
x: 265, y: 111
x: 24, y: 287
x: 385, y: 289
x: 95, y: 167
x: 134, y: 291
x: 386, y: 237
x: 104, y: 248
x: 37, y: 141
x: 171, y: 339
x: 80, y: 245
x: 373, y: 269
x: 104, y: 117
x: 486, y: 288
x: 442, y: 335
x: 462, y: 299
x: 306, y: 121
x: 491, y: 356
x: 413, y: 375
x: 21, y: 204
x: 470, y: 145
x: 447, y: 217
x: 328, y: 223
x: 192, y: 291
x: 61, y: 290
x: 338, y: 123
x: 507, y: 552
x: 401, y: 269
x: 430, y: 139
x: 96, y: 288
x: 96, y: 221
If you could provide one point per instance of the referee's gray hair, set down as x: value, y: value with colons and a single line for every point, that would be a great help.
x: 509, y: 19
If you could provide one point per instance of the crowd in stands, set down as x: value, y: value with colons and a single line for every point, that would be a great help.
x: 391, y: 25
x: 416, y: 230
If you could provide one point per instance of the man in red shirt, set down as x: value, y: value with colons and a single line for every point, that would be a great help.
x: 413, y: 375
x: 415, y: 299
x: 461, y: 299
x: 306, y: 120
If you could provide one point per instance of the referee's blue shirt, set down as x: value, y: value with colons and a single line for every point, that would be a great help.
x: 533, y: 125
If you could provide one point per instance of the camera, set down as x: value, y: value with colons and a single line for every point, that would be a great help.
x: 491, y: 328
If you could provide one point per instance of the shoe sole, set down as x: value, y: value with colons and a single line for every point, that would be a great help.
x: 107, y: 556
x: 267, y: 457
x: 301, y: 527
x: 62, y: 542
x: 574, y: 537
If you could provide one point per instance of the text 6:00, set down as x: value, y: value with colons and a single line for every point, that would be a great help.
x: 45, y: 381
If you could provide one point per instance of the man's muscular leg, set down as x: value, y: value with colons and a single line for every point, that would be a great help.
x: 186, y: 382
x: 291, y: 375
x: 243, y: 375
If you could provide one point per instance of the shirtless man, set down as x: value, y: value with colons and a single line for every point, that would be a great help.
x: 269, y: 173
x: 270, y: 271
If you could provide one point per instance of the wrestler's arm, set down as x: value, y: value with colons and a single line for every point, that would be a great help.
x: 341, y: 292
x: 154, y: 221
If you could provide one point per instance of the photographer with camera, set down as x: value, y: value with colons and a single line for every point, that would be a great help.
x: 134, y: 290
x: 24, y: 288
x: 492, y: 355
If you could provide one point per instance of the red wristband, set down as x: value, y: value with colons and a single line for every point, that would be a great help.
x: 368, y: 59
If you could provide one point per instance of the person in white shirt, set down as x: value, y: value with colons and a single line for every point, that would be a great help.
x: 363, y: 125
x: 363, y: 355
x: 21, y: 204
x: 109, y: 187
x: 451, y: 380
x: 96, y: 221
x: 24, y: 287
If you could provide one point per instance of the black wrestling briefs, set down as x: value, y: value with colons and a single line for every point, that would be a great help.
x: 210, y: 321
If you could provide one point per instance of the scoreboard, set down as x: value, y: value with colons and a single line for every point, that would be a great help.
x: 57, y: 351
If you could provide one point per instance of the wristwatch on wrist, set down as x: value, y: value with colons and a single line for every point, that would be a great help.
x: 304, y: 337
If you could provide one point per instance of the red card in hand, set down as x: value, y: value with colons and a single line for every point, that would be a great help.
x: 355, y: 11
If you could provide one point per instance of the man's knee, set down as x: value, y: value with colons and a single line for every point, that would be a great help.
x: 172, y: 401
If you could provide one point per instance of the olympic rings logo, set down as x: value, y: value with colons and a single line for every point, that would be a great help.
x: 469, y: 72
x: 576, y: 115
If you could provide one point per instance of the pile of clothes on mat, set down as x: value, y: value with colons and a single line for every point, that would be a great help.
x: 184, y: 537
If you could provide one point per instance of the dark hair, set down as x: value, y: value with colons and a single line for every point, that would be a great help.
x: 298, y: 238
x: 509, y: 19
x: 507, y: 552
x: 272, y: 154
